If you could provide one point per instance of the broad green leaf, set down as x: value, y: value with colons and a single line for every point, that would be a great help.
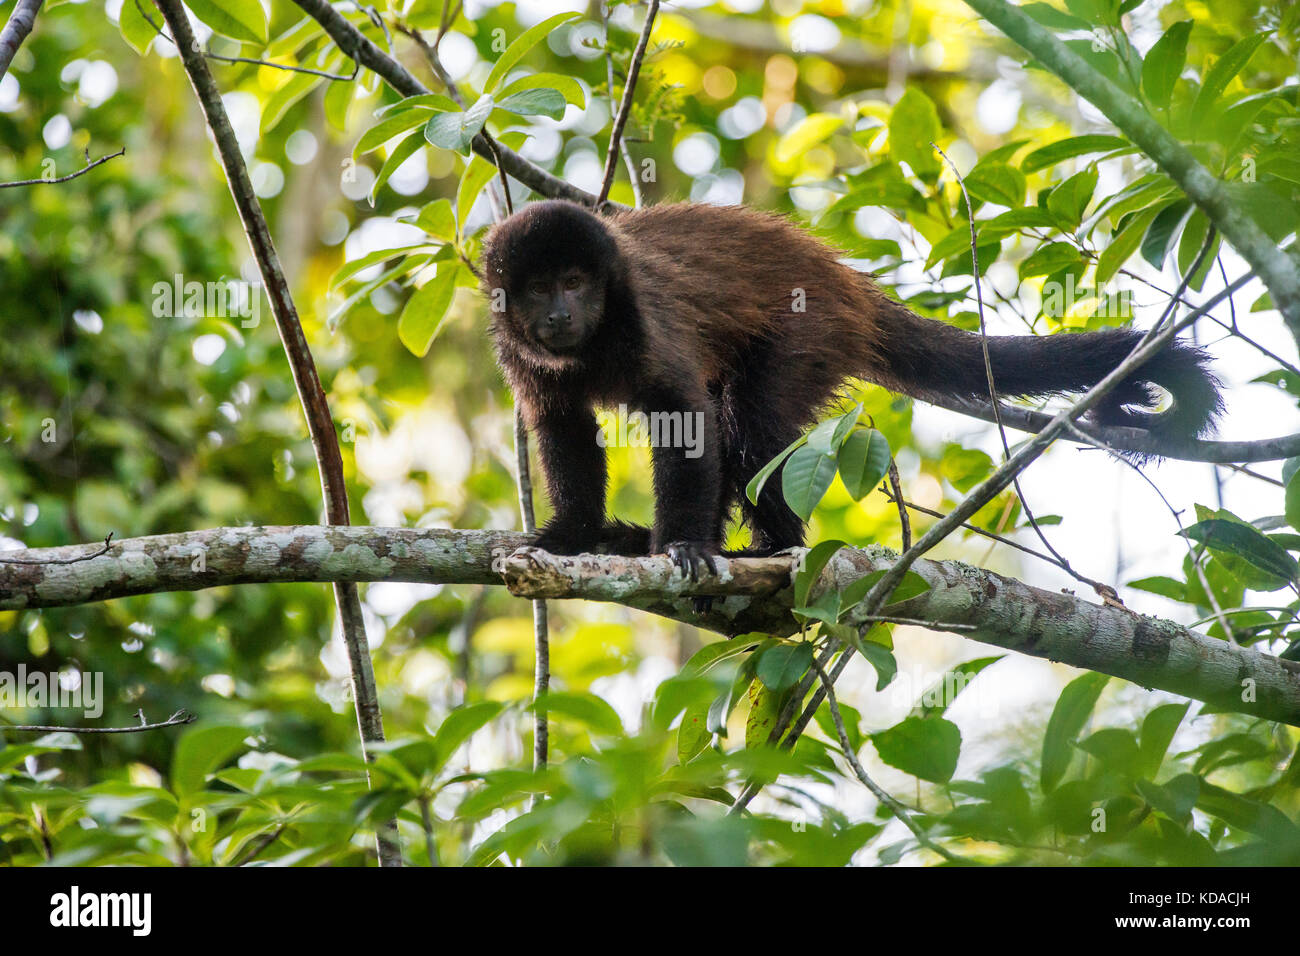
x: 806, y: 134
x: 522, y: 44
x: 1164, y: 62
x: 997, y: 183
x: 1123, y: 245
x: 1293, y: 500
x: 136, y: 30
x: 805, y: 479
x: 436, y: 102
x: 539, y: 102
x: 939, y: 697
x: 587, y: 709
x: 283, y: 99
x: 764, y: 709
x: 1160, y: 236
x: 438, y: 219
x: 1065, y: 149
x: 925, y: 747
x: 1245, y: 542
x: 1158, y: 729
x: 882, y: 660
x: 1168, y: 587
x: 1054, y: 19
x: 912, y: 585
x: 426, y: 310
x: 353, y: 266
x: 459, y: 725
x: 478, y: 174
x: 811, y: 569
x: 202, y: 750
x: 711, y: 654
x: 567, y: 87
x: 388, y: 128
x: 755, y: 486
x: 913, y: 126
x: 1221, y: 74
x: 238, y: 19
x: 693, y: 734
x: 1071, y: 712
x: 1068, y: 200
x: 781, y: 666
x: 1049, y: 258
x: 863, y: 461
x: 400, y: 154
x: 456, y: 131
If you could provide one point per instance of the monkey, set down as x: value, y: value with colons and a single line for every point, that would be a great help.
x: 752, y: 325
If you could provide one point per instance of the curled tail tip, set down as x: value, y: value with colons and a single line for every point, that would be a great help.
x: 1184, y: 372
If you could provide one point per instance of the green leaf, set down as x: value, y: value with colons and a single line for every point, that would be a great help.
x: 540, y: 102
x: 1049, y: 258
x: 1292, y: 498
x: 806, y: 134
x: 755, y: 486
x: 587, y: 709
x: 711, y: 654
x: 136, y: 30
x: 1065, y: 149
x: 1171, y: 588
x: 478, y: 174
x: 459, y: 725
x: 566, y: 86
x: 1162, y: 232
x: 455, y: 131
x: 522, y: 44
x: 1071, y: 712
x: 426, y: 310
x: 1252, y: 546
x: 202, y: 750
x: 1055, y: 19
x: 805, y: 479
x: 1163, y: 64
x: 438, y: 219
x: 1068, y: 200
x: 353, y: 266
x: 400, y: 154
x: 925, y: 747
x: 387, y: 128
x: 997, y: 183
x: 425, y: 101
x: 693, y: 734
x: 1158, y: 729
x: 1122, y: 246
x: 1225, y: 68
x: 863, y: 461
x: 238, y: 19
x: 939, y: 697
x: 283, y: 99
x: 913, y: 126
x: 781, y: 666
x: 811, y: 568
x: 764, y: 709
x: 882, y: 660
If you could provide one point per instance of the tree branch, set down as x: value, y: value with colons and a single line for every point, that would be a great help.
x: 19, y: 25
x: 1277, y: 270
x: 320, y: 423
x: 356, y: 45
x: 756, y: 596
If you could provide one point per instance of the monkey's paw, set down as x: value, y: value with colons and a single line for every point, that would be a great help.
x: 560, y: 538
x: 690, y: 556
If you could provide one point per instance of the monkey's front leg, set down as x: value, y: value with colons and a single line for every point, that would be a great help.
x: 575, y: 478
x: 687, y: 477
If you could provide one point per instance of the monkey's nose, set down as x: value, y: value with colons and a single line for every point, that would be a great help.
x: 558, y: 319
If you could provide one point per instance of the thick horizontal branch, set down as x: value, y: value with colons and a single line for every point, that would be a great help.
x: 751, y: 594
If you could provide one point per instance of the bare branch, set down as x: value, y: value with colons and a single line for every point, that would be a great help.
x: 63, y: 179
x: 180, y: 717
x: 625, y: 107
x: 16, y: 30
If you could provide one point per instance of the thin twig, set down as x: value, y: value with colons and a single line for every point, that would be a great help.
x: 63, y: 179
x: 180, y: 717
x: 634, y: 179
x: 311, y: 394
x: 108, y: 546
x: 879, y: 792
x: 904, y: 523
x: 625, y: 107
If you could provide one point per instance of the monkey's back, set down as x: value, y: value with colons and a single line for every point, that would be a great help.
x: 741, y: 283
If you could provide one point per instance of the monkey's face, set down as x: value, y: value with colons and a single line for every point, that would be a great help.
x: 559, y: 312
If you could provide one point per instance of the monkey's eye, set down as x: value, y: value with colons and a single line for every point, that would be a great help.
x: 573, y: 282
x: 539, y: 288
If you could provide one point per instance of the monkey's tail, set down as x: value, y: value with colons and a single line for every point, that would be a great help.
x: 929, y: 357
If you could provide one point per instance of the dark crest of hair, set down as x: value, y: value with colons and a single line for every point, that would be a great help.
x: 546, y: 238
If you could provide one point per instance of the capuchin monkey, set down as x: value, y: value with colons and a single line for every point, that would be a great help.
x: 743, y: 323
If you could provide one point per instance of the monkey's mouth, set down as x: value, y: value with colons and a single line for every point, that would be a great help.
x: 562, y: 342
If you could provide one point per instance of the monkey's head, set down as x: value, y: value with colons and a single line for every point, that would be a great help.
x: 547, y: 272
